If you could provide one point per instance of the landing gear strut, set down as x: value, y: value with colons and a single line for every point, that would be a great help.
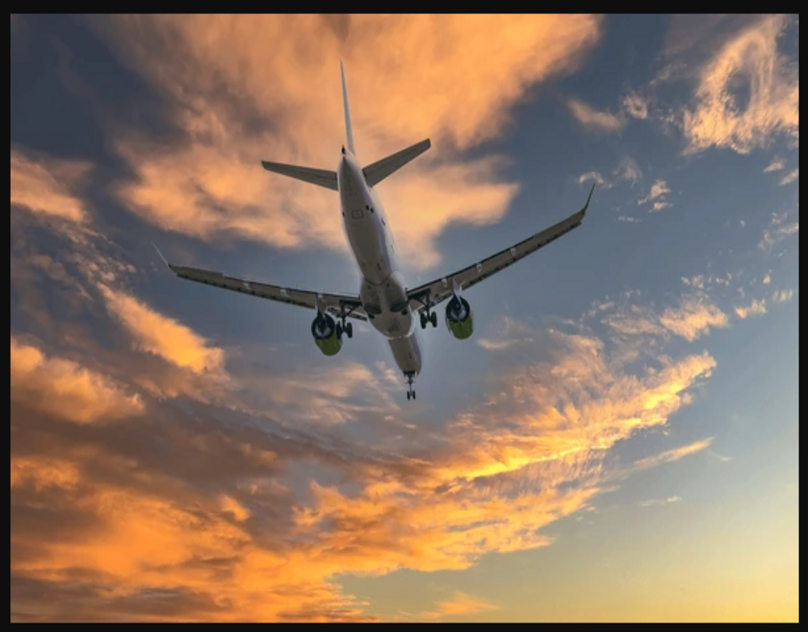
x: 344, y: 326
x: 410, y: 391
x: 428, y: 316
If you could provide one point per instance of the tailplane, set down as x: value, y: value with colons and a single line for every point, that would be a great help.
x: 380, y: 169
x: 320, y: 177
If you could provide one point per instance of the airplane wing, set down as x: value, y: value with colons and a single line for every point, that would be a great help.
x: 334, y: 304
x: 439, y: 290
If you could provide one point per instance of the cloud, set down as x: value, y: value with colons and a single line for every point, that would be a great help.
x: 707, y: 282
x: 591, y: 176
x: 508, y: 332
x: 628, y: 219
x: 149, y: 530
x: 671, y: 456
x: 235, y: 94
x: 756, y: 308
x: 627, y: 170
x: 163, y: 336
x: 790, y: 177
x: 46, y: 185
x: 751, y: 61
x: 694, y: 317
x: 657, y: 194
x: 635, y: 105
x: 460, y: 604
x: 777, y: 230
x: 66, y: 390
x: 326, y: 396
x: 661, y: 502
x: 783, y: 296
x: 777, y: 164
x: 767, y: 279
x: 591, y: 118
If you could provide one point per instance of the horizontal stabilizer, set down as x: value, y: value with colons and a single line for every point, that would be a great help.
x: 320, y: 177
x: 379, y: 170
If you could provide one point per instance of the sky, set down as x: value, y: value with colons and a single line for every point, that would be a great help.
x: 618, y: 440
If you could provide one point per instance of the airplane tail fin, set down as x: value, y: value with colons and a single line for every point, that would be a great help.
x: 346, y: 106
x: 380, y: 169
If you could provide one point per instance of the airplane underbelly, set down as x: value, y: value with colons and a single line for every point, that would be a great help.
x: 407, y: 354
x: 387, y: 306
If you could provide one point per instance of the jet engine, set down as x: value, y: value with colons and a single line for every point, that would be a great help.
x: 326, y: 335
x: 459, y: 317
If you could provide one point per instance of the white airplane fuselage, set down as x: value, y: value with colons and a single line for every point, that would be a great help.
x: 382, y: 290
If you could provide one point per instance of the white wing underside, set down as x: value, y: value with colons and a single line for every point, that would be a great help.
x: 333, y: 304
x: 439, y: 290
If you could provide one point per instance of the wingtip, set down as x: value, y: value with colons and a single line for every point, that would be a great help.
x: 168, y: 265
x: 589, y: 198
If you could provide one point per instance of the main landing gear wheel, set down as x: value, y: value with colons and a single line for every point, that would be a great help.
x: 429, y: 317
x: 349, y: 329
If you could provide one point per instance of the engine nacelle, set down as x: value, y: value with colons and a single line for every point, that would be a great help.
x: 324, y: 330
x: 459, y: 317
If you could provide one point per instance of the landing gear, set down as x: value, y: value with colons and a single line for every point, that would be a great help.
x: 428, y: 316
x: 344, y: 328
x: 410, y: 391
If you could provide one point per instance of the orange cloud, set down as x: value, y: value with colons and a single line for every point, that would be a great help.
x: 163, y: 336
x: 694, y: 317
x: 65, y: 389
x: 756, y: 308
x: 268, y: 96
x: 45, y: 185
x: 774, y: 92
x: 460, y: 604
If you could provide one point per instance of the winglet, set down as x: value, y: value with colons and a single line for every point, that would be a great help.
x: 168, y: 265
x: 586, y: 206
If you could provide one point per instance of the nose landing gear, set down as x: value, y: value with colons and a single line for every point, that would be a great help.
x: 410, y: 391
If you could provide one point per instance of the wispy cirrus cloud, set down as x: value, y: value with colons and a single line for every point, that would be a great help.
x: 594, y: 119
x: 791, y: 176
x: 210, y: 182
x: 752, y: 56
x: 627, y: 170
x: 777, y: 164
x: 658, y: 195
x: 47, y: 185
x: 695, y: 315
x: 778, y: 229
x: 661, y: 502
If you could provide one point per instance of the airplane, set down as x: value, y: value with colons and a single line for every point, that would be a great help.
x: 384, y: 300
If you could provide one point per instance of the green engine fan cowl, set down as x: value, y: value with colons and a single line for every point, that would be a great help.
x: 459, y: 318
x: 326, y: 337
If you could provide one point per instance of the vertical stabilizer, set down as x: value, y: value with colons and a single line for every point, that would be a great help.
x: 346, y: 106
